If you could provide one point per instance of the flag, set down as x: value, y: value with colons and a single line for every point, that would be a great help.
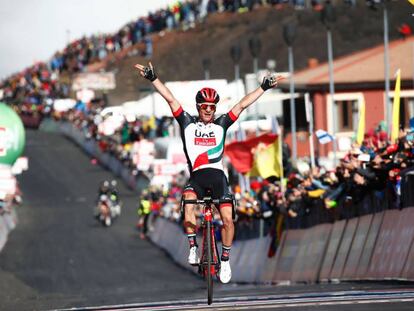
x: 361, y: 124
x: 324, y: 137
x: 396, y: 108
x: 240, y: 153
x: 267, y: 161
x: 276, y: 236
x: 275, y: 125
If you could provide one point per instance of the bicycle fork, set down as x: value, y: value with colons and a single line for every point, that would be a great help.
x: 214, y: 260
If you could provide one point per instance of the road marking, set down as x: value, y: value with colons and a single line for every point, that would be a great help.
x: 268, y: 301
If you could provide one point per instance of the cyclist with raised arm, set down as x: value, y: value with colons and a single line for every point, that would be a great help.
x: 203, y: 140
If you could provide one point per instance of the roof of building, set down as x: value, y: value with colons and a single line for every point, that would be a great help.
x: 363, y: 69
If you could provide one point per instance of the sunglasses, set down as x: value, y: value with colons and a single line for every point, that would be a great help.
x: 205, y: 106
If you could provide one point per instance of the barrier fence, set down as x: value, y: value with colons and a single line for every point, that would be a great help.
x: 371, y: 247
x: 8, y: 221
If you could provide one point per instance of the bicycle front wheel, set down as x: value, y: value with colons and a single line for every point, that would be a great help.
x: 209, y: 276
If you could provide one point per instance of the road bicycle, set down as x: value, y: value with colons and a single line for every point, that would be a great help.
x: 209, y: 266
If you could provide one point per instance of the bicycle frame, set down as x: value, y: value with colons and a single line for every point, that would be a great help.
x: 215, y: 259
x: 210, y: 259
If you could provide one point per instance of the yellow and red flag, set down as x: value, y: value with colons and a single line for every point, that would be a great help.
x: 241, y: 153
x: 267, y: 161
x: 361, y: 124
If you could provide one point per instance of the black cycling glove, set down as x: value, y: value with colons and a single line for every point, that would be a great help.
x: 149, y: 73
x: 267, y: 83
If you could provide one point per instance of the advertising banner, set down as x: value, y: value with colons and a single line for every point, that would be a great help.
x: 245, y: 262
x: 357, y: 247
x: 386, y: 236
x: 288, y: 255
x: 302, y: 255
x: 408, y: 271
x: 400, y: 246
x: 333, y: 245
x: 315, y: 253
x: 260, y: 260
x: 344, y: 248
x: 94, y: 81
x: 4, y: 231
x: 12, y: 135
x: 269, y: 268
x: 369, y: 245
x: 236, y: 251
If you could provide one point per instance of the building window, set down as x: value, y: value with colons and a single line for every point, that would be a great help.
x: 406, y: 111
x: 301, y: 123
x: 347, y: 115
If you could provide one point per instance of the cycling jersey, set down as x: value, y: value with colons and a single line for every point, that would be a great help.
x: 203, y: 143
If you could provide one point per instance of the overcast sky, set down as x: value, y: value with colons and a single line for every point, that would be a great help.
x: 32, y: 30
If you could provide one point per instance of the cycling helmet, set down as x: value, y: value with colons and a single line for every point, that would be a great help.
x: 207, y: 95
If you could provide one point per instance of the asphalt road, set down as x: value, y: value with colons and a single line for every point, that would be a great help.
x: 58, y: 257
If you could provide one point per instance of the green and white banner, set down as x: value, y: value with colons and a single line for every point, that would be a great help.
x: 12, y: 135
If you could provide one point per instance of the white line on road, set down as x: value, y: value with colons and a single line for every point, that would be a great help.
x: 267, y: 302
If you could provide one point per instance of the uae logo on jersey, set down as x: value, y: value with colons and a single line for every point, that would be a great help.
x: 204, y: 139
x: 212, y: 155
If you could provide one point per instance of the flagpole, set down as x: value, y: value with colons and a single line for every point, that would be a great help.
x: 277, y: 130
x: 387, y: 69
x: 332, y: 93
x: 242, y: 179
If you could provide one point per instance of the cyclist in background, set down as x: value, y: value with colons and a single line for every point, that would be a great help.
x: 203, y: 140
x: 144, y: 211
x: 104, y: 188
x: 113, y: 192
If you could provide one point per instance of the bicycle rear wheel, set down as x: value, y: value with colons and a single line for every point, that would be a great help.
x: 209, y: 276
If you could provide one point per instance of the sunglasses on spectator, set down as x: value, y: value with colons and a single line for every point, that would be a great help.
x: 205, y: 106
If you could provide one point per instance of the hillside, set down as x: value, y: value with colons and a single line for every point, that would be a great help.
x: 178, y: 55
